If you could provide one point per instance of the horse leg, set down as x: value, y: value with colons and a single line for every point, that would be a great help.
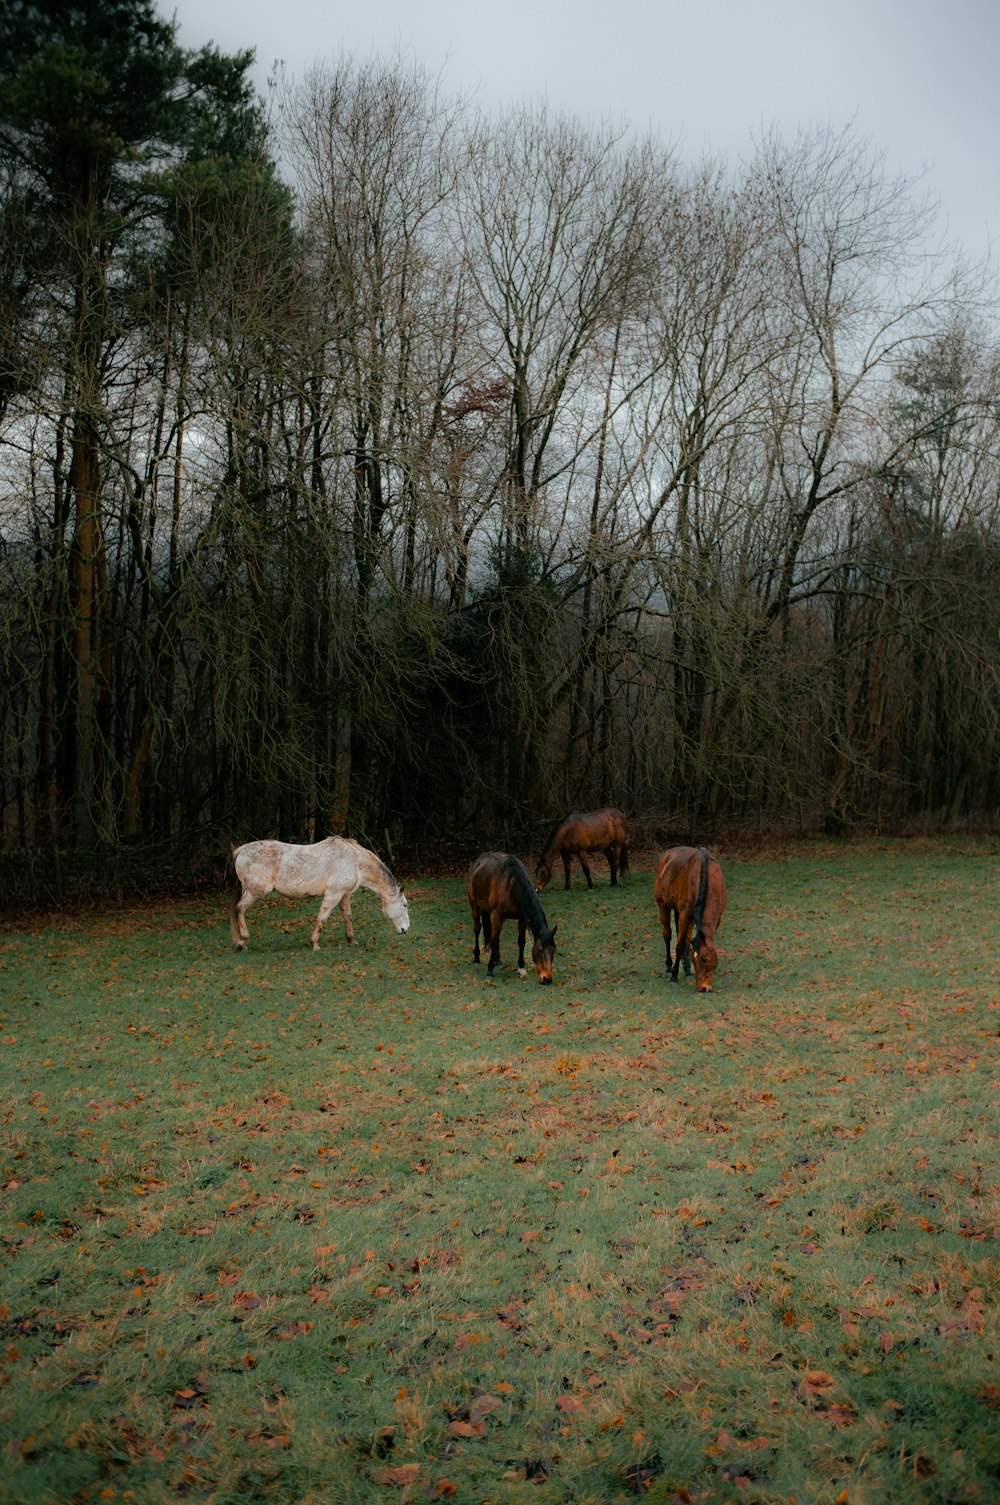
x: 683, y: 951
x: 477, y: 920
x: 586, y: 868
x: 665, y: 916
x: 238, y: 923
x: 492, y: 934
x: 345, y: 909
x: 567, y: 858
x: 611, y: 853
x: 330, y: 900
x: 522, y: 929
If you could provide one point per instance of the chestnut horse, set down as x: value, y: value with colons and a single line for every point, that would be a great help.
x: 500, y: 889
x: 690, y: 885
x: 334, y: 868
x: 576, y: 835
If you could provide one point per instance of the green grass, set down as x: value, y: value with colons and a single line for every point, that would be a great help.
x: 361, y: 1224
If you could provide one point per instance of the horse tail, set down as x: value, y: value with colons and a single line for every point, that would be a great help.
x: 623, y: 868
x: 235, y: 895
x: 699, y: 903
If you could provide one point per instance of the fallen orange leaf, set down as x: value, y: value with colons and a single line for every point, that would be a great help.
x: 400, y: 1475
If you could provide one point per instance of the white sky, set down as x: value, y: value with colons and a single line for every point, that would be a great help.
x: 919, y: 77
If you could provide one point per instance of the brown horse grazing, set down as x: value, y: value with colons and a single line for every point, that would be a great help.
x: 576, y: 835
x: 500, y: 889
x: 690, y: 885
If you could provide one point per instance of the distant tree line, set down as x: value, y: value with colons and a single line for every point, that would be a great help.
x: 469, y: 468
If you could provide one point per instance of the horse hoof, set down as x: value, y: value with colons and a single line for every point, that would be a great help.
x: 522, y: 972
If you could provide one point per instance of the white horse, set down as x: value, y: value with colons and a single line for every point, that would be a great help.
x: 335, y: 868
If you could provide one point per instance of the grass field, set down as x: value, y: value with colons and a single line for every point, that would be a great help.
x: 362, y: 1225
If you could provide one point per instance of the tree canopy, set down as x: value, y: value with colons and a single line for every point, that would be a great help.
x: 483, y: 467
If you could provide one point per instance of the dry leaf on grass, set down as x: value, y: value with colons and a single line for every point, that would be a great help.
x: 399, y: 1475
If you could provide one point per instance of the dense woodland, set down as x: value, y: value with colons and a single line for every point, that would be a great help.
x: 370, y: 464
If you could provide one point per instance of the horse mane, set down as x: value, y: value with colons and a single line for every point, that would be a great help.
x: 699, y: 903
x: 388, y: 876
x: 524, y: 893
x: 373, y: 858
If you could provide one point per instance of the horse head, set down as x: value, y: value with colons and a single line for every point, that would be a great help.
x: 543, y: 873
x: 543, y: 951
x: 396, y: 909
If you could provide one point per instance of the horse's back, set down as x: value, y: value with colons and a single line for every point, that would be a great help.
x: 586, y: 828
x: 499, y: 882
x: 295, y: 868
x: 673, y: 873
x: 678, y: 876
x: 484, y: 871
x: 598, y: 828
x: 256, y: 858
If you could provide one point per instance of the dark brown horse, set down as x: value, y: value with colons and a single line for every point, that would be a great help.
x: 690, y: 885
x: 576, y: 835
x: 500, y: 889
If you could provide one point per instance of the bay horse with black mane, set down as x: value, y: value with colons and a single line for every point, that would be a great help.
x: 690, y: 886
x: 576, y: 835
x: 500, y: 889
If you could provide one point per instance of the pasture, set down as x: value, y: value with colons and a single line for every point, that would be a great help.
x: 362, y: 1224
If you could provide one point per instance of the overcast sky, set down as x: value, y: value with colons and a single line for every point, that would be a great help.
x: 919, y: 77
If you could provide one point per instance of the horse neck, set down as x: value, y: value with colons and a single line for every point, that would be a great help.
x: 524, y: 892
x: 702, y: 894
x: 374, y: 874
x: 550, y: 850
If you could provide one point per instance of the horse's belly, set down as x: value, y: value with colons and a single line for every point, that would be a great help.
x: 298, y: 878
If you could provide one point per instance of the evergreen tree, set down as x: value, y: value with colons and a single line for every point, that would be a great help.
x: 104, y: 117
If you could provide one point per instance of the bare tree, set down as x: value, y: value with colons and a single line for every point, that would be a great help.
x: 371, y: 146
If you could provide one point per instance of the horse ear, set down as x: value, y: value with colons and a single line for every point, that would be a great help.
x: 555, y: 927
